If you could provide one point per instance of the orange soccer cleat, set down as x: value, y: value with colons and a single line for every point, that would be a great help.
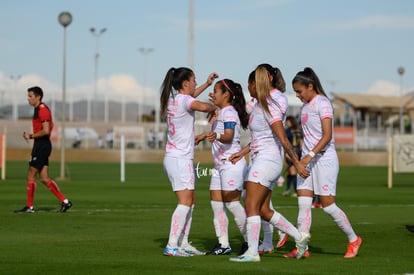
x: 283, y: 237
x: 292, y: 254
x: 352, y: 250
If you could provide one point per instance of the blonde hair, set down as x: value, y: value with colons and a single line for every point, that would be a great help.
x: 263, y: 87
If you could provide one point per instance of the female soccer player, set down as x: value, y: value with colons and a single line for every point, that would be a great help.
x: 267, y: 137
x: 319, y: 155
x: 225, y: 188
x: 278, y: 83
x: 178, y: 105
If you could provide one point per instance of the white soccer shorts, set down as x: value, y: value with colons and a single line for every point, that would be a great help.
x: 323, y: 177
x: 180, y: 172
x: 229, y: 177
x: 265, y: 171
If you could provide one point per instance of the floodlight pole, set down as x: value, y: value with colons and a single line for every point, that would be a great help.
x: 401, y: 71
x: 97, y: 34
x: 145, y: 52
x: 191, y: 34
x: 65, y: 18
x: 15, y: 99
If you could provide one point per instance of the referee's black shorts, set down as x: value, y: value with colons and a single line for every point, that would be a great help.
x: 40, y: 153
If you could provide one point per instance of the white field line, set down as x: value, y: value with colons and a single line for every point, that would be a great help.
x: 140, y: 208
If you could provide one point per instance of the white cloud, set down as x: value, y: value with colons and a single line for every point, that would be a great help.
x: 386, y: 88
x: 376, y: 22
x: 125, y: 87
x: 16, y: 87
x: 116, y: 87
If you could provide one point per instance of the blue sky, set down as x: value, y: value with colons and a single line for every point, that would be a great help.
x: 354, y: 46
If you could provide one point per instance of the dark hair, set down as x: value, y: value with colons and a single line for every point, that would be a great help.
x: 252, y: 76
x: 307, y: 77
x: 173, y: 79
x: 236, y: 99
x: 293, y: 121
x: 278, y: 81
x: 37, y: 91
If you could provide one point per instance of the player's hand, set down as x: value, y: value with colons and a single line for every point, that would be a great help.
x: 211, y: 78
x: 306, y: 160
x: 302, y: 171
x: 234, y: 158
x: 211, y: 97
x: 211, y: 116
x: 199, y: 138
x: 288, y: 157
x: 211, y: 136
x: 26, y: 136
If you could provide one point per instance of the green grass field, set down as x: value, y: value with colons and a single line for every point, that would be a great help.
x: 121, y: 228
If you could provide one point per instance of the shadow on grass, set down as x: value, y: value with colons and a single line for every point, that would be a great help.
x: 205, y: 244
x: 47, y: 209
x: 290, y: 245
x: 162, y: 242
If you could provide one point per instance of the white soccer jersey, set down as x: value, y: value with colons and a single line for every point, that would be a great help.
x: 180, y: 123
x: 312, y: 114
x: 250, y: 105
x: 262, y: 138
x: 221, y: 151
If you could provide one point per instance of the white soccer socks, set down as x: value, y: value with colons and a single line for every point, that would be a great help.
x: 341, y: 220
x: 239, y: 215
x: 305, y: 213
x: 178, y: 221
x: 221, y: 222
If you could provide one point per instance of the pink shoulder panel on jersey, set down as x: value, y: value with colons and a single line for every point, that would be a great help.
x: 229, y: 115
x: 325, y: 108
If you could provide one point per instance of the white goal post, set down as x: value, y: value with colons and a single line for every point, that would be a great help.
x: 3, y: 155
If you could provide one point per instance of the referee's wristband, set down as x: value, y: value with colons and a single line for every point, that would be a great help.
x: 311, y: 154
x: 218, y: 135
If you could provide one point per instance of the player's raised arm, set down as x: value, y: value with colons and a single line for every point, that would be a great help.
x: 205, y: 85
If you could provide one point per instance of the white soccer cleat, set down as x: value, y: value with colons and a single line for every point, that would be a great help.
x: 188, y: 248
x: 302, y: 244
x: 246, y: 257
x: 175, y: 252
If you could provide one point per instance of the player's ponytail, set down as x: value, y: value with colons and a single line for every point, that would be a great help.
x: 173, y: 80
x: 166, y: 91
x: 236, y: 99
x: 307, y: 77
x: 263, y: 86
x: 275, y: 76
x: 278, y: 81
